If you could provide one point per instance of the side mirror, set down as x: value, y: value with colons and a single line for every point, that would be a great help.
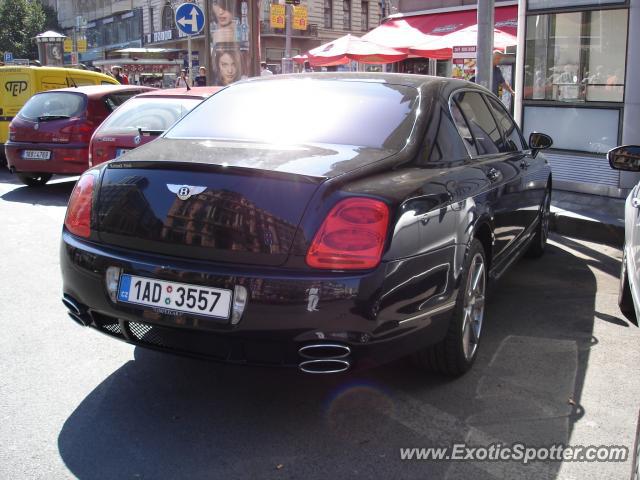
x: 625, y: 158
x: 539, y: 141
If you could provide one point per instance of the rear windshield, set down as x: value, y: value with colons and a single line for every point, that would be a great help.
x: 298, y: 111
x: 53, y: 105
x: 155, y: 114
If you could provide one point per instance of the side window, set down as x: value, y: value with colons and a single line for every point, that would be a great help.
x: 446, y: 145
x: 514, y: 142
x: 484, y: 129
x: 463, y: 128
x: 114, y: 100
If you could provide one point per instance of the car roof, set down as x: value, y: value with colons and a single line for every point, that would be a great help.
x: 410, y: 80
x: 193, y: 92
x: 97, y: 90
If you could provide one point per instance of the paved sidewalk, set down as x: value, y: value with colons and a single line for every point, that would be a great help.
x: 590, y: 217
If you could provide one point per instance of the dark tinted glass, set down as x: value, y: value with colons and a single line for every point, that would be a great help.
x: 463, y: 128
x: 446, y: 146
x: 53, y: 104
x: 512, y: 135
x: 481, y: 123
x: 298, y: 111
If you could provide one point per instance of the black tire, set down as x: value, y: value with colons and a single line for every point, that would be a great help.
x: 625, y: 300
x: 539, y: 241
x: 34, y: 179
x: 449, y: 357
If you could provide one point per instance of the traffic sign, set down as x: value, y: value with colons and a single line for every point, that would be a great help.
x: 8, y: 57
x: 189, y: 18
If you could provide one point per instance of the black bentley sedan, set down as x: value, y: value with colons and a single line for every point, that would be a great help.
x: 322, y: 221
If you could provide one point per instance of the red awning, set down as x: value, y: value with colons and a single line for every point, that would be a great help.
x: 416, y: 30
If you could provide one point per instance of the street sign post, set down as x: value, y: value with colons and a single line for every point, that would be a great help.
x: 190, y: 20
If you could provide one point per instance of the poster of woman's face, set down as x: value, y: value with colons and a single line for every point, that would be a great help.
x: 230, y: 35
x: 229, y: 66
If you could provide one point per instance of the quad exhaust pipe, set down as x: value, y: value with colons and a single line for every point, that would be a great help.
x: 76, y: 311
x: 324, y: 358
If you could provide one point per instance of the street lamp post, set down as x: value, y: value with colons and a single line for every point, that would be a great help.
x: 484, y: 66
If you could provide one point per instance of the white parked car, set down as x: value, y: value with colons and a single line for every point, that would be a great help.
x: 628, y: 158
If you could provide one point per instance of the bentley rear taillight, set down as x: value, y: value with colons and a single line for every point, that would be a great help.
x: 78, y: 218
x: 351, y: 237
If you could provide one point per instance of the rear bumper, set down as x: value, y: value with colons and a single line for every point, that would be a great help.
x: 64, y: 159
x: 276, y: 322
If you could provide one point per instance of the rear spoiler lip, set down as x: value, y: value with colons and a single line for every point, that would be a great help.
x: 123, y: 163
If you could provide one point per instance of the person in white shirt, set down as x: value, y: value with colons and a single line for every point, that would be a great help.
x: 183, y: 79
x: 264, y: 71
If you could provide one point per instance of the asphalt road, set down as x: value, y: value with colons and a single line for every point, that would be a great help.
x: 558, y: 364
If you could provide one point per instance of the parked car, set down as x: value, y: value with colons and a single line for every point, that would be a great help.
x: 51, y: 133
x: 143, y: 119
x: 319, y: 221
x: 627, y: 158
x: 21, y: 82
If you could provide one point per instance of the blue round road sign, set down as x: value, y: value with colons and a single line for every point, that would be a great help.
x: 189, y: 18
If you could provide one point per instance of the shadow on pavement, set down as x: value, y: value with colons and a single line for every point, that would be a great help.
x: 161, y: 416
x: 54, y: 193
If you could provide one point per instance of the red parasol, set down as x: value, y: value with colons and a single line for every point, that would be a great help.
x: 441, y: 47
x: 344, y: 49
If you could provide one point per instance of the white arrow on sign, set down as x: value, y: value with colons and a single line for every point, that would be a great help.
x: 192, y: 20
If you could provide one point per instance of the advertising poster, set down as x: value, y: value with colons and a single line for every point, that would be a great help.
x: 230, y: 41
x: 464, y: 62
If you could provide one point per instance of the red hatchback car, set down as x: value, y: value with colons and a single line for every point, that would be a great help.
x: 52, y: 131
x: 143, y: 119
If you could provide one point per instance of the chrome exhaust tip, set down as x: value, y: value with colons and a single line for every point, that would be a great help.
x: 77, y: 312
x: 81, y: 320
x: 328, y: 365
x: 324, y: 351
x: 72, y: 305
x: 324, y: 358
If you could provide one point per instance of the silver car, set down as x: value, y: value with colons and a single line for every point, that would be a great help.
x: 627, y: 158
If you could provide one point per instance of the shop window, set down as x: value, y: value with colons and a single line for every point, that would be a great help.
x: 328, y: 13
x: 593, y: 130
x: 346, y: 18
x: 576, y: 57
x: 168, y: 21
x: 364, y: 22
x: 542, y: 4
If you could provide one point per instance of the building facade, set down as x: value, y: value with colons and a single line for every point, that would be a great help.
x: 580, y: 85
x: 579, y: 71
x: 110, y: 27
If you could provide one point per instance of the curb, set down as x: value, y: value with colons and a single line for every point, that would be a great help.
x: 591, y: 230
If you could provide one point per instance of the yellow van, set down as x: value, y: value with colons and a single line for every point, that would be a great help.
x: 18, y: 84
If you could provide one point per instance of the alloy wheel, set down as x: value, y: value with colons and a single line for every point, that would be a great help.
x: 546, y: 214
x: 473, y: 309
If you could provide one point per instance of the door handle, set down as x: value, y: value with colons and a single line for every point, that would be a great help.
x: 493, y: 174
x: 635, y: 202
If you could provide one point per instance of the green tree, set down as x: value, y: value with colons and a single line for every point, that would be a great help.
x: 20, y: 21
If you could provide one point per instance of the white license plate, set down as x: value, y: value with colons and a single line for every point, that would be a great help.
x: 121, y: 151
x: 36, y: 155
x: 180, y: 297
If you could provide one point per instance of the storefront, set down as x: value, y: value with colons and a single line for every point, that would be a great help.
x: 578, y: 88
x: 407, y: 30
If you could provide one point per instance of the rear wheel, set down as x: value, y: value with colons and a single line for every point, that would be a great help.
x: 625, y: 300
x: 539, y: 242
x: 34, y: 179
x: 456, y: 353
